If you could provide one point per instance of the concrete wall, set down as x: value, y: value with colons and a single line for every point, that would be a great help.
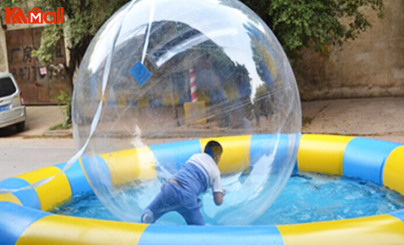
x: 3, y: 52
x: 370, y: 66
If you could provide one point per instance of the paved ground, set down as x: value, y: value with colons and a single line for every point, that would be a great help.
x: 21, y: 155
x: 38, y: 122
x: 37, y: 146
x: 34, y: 148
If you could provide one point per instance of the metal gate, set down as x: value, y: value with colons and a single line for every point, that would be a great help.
x: 39, y: 84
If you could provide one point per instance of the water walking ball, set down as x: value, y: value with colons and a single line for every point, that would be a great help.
x: 159, y: 79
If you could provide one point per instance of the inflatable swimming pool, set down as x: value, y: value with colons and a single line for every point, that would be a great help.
x: 24, y: 220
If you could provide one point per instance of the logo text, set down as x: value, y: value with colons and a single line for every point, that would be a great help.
x: 15, y: 15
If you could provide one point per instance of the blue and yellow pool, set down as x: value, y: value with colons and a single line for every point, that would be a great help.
x: 24, y: 218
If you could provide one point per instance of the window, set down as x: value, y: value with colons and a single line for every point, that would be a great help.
x: 7, y: 87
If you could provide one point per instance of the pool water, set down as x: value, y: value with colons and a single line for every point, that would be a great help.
x: 307, y: 197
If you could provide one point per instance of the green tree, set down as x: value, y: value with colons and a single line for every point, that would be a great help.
x: 315, y: 24
x: 82, y: 20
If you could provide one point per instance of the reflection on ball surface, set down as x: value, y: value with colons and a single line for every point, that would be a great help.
x: 175, y: 72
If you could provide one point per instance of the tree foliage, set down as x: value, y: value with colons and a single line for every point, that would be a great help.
x: 316, y: 23
x: 297, y: 23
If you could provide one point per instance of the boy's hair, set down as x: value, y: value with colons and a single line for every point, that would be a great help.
x: 213, y: 148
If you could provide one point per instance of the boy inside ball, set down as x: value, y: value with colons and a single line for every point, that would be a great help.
x: 181, y: 192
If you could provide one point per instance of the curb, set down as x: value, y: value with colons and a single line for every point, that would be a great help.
x: 65, y: 133
x: 58, y: 133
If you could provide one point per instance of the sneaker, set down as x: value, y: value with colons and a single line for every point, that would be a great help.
x: 147, y: 217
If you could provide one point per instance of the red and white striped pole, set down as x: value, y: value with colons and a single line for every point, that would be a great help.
x: 192, y: 82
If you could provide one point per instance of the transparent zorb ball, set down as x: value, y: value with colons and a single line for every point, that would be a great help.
x: 159, y: 79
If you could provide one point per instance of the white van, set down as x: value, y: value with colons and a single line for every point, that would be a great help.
x: 12, y: 106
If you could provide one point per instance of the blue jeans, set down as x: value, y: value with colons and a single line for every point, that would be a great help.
x: 173, y: 197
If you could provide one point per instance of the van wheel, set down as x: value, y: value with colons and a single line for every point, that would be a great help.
x: 20, y: 126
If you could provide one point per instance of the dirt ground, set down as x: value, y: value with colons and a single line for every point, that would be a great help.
x: 380, y: 118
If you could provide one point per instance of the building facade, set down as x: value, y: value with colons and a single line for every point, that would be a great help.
x: 40, y: 84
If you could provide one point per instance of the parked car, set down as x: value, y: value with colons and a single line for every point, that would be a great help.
x: 12, y: 106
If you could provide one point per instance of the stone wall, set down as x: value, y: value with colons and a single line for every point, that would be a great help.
x: 370, y: 66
